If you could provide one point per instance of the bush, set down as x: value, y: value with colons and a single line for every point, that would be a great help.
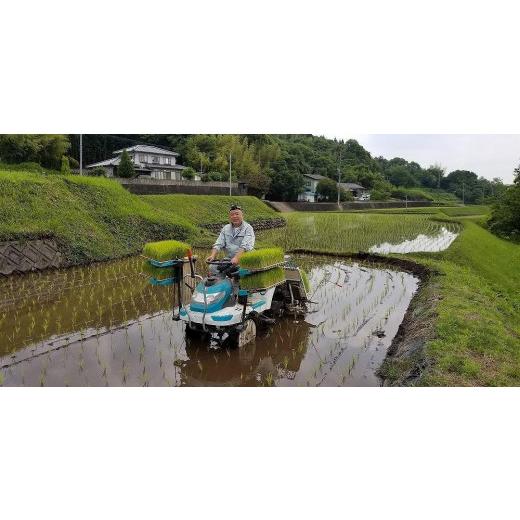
x: 328, y: 189
x: 216, y: 176
x: 65, y: 166
x: 126, y: 166
x: 98, y: 171
x: 73, y: 163
x: 188, y: 173
x: 505, y: 218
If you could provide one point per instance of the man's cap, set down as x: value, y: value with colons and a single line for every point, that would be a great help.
x: 233, y: 207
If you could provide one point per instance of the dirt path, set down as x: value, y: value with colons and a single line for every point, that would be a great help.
x: 282, y: 207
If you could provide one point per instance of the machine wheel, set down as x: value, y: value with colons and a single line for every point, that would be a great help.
x: 194, y: 337
x: 246, y: 335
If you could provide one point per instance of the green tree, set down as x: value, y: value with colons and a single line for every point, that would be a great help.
x: 505, y: 215
x: 126, y: 166
x: 44, y: 149
x: 400, y: 175
x: 328, y: 189
x: 65, y: 166
x: 464, y: 184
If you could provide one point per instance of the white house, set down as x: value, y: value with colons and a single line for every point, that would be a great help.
x: 311, y: 181
x: 150, y: 161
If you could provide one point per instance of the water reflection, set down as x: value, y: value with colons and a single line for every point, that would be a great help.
x: 425, y: 243
x: 124, y: 335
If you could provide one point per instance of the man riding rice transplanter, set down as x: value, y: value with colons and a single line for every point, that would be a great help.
x: 235, y: 238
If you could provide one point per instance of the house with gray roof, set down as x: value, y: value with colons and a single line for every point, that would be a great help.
x: 311, y: 182
x: 149, y: 161
x: 358, y: 192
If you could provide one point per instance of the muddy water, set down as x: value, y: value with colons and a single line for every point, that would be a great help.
x: 103, y: 325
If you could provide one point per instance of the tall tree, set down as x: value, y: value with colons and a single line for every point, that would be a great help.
x: 126, y: 166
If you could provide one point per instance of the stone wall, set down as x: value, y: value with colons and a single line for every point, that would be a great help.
x: 29, y: 255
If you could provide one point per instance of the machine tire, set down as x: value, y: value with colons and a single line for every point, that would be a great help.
x: 241, y: 338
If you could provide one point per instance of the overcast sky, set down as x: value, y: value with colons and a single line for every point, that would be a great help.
x: 488, y: 155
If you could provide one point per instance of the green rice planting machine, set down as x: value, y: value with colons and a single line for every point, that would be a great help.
x: 231, y: 302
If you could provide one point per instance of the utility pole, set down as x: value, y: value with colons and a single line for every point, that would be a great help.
x: 406, y: 200
x: 81, y: 154
x: 339, y: 176
x: 463, y: 193
x: 230, y: 174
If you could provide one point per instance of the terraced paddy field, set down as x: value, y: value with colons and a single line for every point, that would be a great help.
x: 355, y: 232
x: 437, y: 304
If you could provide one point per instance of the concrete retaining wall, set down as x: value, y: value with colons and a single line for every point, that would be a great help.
x: 158, y: 187
x: 349, y: 206
x: 30, y: 255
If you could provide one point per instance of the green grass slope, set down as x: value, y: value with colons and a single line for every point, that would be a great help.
x: 91, y: 218
x: 477, y: 330
x: 210, y: 209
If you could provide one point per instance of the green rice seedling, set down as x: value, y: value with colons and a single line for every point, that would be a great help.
x: 306, y: 282
x: 166, y: 250
x: 159, y: 273
x: 263, y: 279
x: 262, y: 258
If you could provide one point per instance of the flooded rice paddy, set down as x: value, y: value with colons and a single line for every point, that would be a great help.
x: 340, y: 232
x: 104, y: 325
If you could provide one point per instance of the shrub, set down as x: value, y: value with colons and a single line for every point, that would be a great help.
x: 74, y: 164
x: 126, y: 166
x: 65, y: 166
x: 216, y: 176
x: 188, y: 173
x: 505, y: 219
x: 98, y: 171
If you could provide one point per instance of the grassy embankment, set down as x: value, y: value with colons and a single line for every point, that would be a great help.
x: 96, y: 219
x: 210, y: 209
x: 476, y: 333
x: 90, y: 218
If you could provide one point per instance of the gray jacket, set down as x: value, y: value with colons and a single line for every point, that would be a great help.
x: 231, y: 239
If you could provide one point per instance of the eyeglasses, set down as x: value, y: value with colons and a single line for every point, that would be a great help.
x: 233, y: 207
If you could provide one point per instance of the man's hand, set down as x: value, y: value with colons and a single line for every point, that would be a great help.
x: 210, y: 258
x: 235, y: 260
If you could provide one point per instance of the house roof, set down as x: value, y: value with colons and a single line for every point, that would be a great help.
x: 147, y: 166
x: 109, y: 162
x: 314, y: 176
x: 351, y: 186
x: 147, y: 149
